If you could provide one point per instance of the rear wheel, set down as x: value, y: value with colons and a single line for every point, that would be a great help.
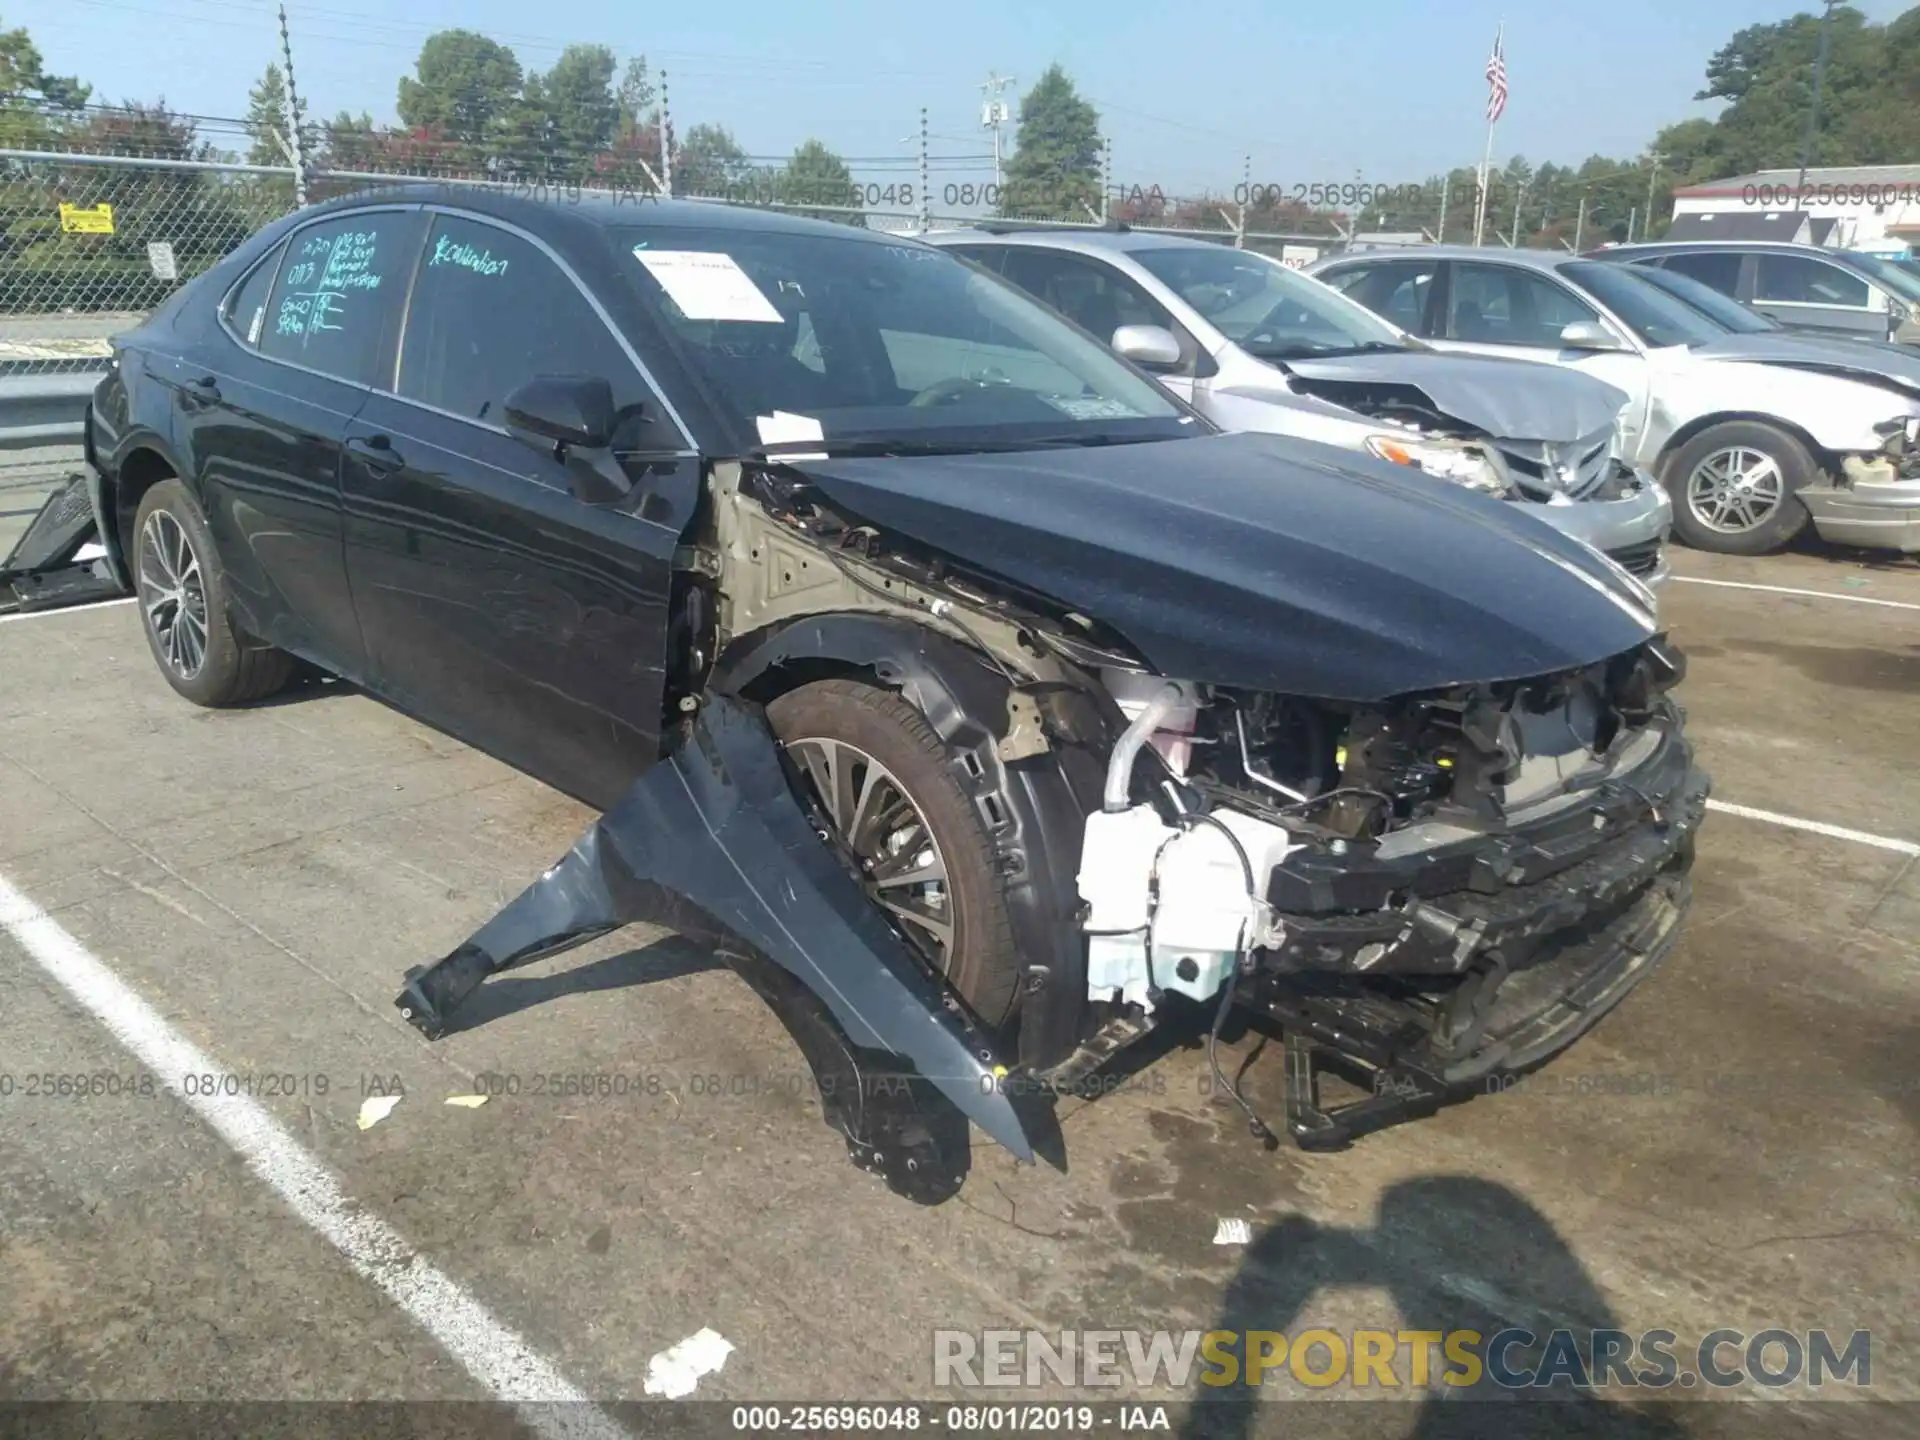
x: 884, y: 783
x: 182, y: 592
x: 1733, y: 487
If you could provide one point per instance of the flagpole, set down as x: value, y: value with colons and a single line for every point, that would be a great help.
x: 1486, y: 162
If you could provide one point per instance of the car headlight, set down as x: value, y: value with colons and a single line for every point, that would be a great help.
x: 1472, y: 468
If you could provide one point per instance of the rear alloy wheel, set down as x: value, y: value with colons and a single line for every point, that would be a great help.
x: 1733, y: 488
x: 885, y: 789
x: 181, y: 588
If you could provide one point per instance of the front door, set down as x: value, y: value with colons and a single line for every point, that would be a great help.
x: 1516, y: 312
x: 497, y: 605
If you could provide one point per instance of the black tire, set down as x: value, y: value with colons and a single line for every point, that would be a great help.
x: 981, y: 962
x: 1785, y: 518
x: 232, y: 668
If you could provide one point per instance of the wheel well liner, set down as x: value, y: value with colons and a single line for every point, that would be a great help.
x: 1034, y: 810
x: 141, y: 467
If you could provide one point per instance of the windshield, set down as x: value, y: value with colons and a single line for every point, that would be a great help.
x: 1896, y: 277
x: 806, y: 337
x: 1708, y: 301
x: 1652, y: 314
x: 1263, y: 307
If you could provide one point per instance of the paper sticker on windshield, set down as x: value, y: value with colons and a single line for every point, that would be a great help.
x: 1091, y: 407
x: 707, y: 285
x: 784, y: 428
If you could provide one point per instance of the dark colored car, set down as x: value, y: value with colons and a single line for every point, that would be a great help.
x: 979, y: 702
x: 1804, y: 287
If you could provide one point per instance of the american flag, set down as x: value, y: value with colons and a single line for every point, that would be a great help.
x: 1497, y: 79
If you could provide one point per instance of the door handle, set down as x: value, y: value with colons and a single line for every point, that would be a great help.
x: 376, y: 452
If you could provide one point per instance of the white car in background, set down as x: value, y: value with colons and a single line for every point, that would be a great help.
x: 1754, y: 435
x: 1255, y: 345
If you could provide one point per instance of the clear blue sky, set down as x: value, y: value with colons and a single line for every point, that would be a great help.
x: 1393, y: 89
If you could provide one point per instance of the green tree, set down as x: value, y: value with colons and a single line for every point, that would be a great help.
x: 709, y: 163
x: 580, y: 103
x: 635, y: 95
x: 33, y: 104
x: 267, y: 119
x: 817, y: 176
x: 1055, y: 169
x: 464, y: 89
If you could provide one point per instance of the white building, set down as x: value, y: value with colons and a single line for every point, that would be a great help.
x: 1851, y: 207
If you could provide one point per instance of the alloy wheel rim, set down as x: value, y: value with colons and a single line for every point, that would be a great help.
x: 173, y: 595
x: 879, y: 824
x: 1736, y: 490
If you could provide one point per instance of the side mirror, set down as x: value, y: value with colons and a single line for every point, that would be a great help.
x: 1151, y: 347
x: 1588, y: 335
x: 571, y: 410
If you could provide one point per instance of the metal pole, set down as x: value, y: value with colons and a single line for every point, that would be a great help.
x: 926, y: 198
x: 1632, y: 215
x: 1446, y: 184
x: 1246, y: 189
x: 1652, y: 177
x: 668, y: 141
x: 1106, y: 179
x: 1813, y: 111
x: 1513, y: 240
x: 293, y: 116
x: 1580, y: 226
x: 1486, y: 180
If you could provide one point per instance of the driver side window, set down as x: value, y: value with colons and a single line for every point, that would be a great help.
x: 490, y: 310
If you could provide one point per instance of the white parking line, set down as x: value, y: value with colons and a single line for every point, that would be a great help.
x: 1817, y: 827
x: 64, y: 610
x: 499, y: 1359
x: 1788, y: 590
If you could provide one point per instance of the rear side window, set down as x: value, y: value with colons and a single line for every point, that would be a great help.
x: 336, y: 300
x: 490, y: 311
x: 247, y: 306
x: 1797, y: 280
x: 1718, y: 270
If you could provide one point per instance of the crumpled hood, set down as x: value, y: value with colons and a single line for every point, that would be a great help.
x: 1509, y: 399
x: 1266, y: 563
x: 1873, y: 362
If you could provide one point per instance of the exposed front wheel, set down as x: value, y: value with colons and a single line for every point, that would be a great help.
x: 1734, y: 488
x: 883, y: 784
x: 181, y: 588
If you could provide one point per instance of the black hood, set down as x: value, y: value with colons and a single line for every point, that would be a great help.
x: 1264, y: 562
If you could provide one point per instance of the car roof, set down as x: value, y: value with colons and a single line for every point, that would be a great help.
x: 1677, y: 247
x: 604, y: 209
x: 1498, y: 255
x: 1090, y: 240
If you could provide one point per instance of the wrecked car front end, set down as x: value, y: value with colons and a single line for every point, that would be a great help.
x: 1248, y: 722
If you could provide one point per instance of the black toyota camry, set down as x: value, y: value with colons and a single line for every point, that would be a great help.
x: 983, y: 706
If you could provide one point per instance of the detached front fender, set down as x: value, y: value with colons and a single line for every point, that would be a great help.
x: 712, y: 842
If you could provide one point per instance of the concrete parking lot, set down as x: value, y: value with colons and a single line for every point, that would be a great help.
x: 1736, y: 1147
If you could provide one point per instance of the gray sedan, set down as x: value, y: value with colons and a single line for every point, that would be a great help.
x: 1254, y: 345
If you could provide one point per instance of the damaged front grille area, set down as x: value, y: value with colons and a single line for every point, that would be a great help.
x: 1577, y: 469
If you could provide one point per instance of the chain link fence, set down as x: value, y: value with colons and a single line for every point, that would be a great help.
x: 89, y: 243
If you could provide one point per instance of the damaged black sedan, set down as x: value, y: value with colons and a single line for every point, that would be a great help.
x: 979, y: 703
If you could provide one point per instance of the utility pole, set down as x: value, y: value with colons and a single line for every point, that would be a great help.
x: 1246, y: 189
x: 993, y: 115
x: 1106, y: 179
x: 293, y: 116
x: 1632, y: 215
x: 926, y: 180
x: 1580, y: 226
x: 1652, y: 177
x: 1513, y: 242
x: 1813, y: 110
x: 1446, y: 184
x: 666, y: 140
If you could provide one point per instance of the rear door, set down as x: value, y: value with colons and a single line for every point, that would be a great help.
x: 1400, y: 291
x: 264, y: 405
x: 1807, y: 293
x: 497, y: 605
